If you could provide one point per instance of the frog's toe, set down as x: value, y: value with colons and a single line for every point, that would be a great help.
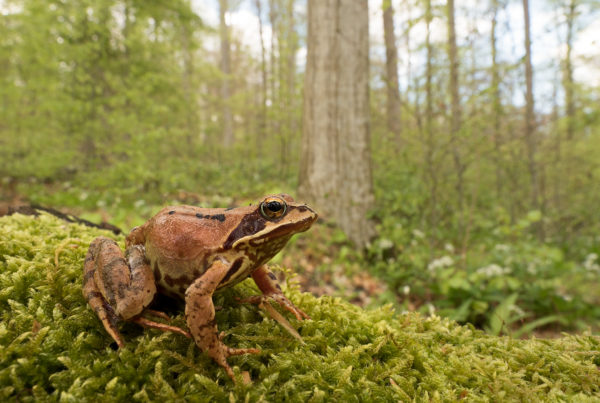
x: 156, y: 314
x: 287, y: 304
x: 280, y: 299
x: 160, y: 326
x: 241, y: 351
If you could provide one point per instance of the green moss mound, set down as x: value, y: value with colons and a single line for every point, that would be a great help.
x: 52, y: 347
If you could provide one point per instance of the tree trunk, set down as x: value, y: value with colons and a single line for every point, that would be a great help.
x: 430, y: 150
x: 274, y: 121
x: 568, y: 71
x: 529, y: 117
x: 391, y: 70
x: 262, y: 119
x: 335, y: 171
x: 288, y: 46
x: 226, y: 118
x: 455, y: 117
x: 496, y: 102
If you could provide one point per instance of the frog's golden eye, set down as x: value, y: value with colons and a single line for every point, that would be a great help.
x: 272, y: 208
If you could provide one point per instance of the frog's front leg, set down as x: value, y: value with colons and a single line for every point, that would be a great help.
x: 200, y: 317
x: 267, y: 283
x: 119, y: 287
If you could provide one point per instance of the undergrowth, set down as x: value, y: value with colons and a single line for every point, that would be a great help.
x: 52, y: 346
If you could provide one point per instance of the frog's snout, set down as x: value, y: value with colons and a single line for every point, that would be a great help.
x: 313, y: 214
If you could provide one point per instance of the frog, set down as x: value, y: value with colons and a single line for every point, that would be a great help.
x: 190, y: 253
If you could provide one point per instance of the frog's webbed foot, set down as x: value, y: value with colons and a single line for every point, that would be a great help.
x: 266, y: 282
x: 117, y: 287
x: 200, y: 317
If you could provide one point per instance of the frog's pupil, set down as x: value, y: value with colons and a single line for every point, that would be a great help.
x: 274, y: 206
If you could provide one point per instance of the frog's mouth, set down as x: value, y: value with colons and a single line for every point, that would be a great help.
x: 281, y: 231
x: 292, y: 228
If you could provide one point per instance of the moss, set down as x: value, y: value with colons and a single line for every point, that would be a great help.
x: 52, y: 347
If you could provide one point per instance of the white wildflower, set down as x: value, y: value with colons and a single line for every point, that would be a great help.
x: 406, y: 290
x: 418, y: 234
x: 590, y: 263
x: 493, y: 270
x: 444, y: 261
x: 385, y: 243
x: 502, y: 248
x: 449, y: 247
x: 431, y: 309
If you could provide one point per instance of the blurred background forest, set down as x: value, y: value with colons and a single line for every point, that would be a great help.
x: 484, y: 136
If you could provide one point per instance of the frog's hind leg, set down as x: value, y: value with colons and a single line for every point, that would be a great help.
x: 94, y: 297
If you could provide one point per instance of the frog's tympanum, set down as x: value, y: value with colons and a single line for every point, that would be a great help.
x: 189, y: 253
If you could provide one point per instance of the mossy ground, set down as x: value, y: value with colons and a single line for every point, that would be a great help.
x: 52, y: 346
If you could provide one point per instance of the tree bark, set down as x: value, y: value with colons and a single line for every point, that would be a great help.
x: 568, y: 83
x: 391, y: 70
x: 262, y: 119
x: 335, y: 171
x: 530, y: 140
x: 430, y: 147
x: 455, y: 115
x: 226, y: 117
x: 496, y: 102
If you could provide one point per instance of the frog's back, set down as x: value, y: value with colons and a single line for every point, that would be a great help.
x: 188, y: 233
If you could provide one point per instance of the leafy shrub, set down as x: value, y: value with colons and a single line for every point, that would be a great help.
x: 508, y: 280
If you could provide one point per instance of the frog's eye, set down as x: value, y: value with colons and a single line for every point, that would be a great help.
x: 272, y: 208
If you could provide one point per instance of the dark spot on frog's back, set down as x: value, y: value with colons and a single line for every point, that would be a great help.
x: 218, y: 217
x: 250, y: 224
x: 171, y: 212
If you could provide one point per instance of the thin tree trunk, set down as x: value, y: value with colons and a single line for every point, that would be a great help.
x: 287, y: 84
x: 188, y: 88
x: 262, y: 119
x: 455, y: 116
x: 529, y: 112
x: 496, y: 102
x: 430, y: 143
x: 407, y: 43
x: 275, y: 73
x: 226, y: 117
x: 568, y: 72
x: 391, y: 70
x: 335, y: 169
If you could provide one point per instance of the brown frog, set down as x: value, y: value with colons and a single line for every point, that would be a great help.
x: 189, y: 253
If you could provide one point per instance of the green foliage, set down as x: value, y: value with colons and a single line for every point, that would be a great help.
x: 52, y: 347
x: 507, y: 280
